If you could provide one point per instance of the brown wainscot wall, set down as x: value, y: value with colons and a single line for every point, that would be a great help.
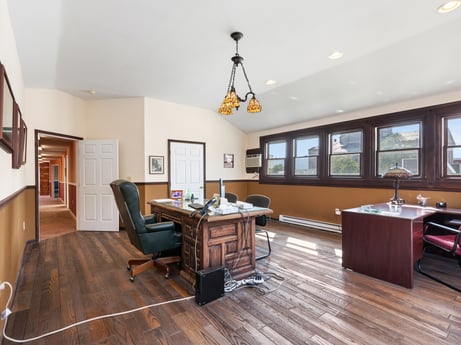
x: 310, y: 202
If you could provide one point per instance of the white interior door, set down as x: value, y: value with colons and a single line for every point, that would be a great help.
x: 97, y: 168
x: 187, y: 162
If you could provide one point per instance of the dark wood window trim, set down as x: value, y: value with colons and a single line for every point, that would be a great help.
x: 431, y: 159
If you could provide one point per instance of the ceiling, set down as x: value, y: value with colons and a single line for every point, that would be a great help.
x: 52, y: 147
x: 179, y: 51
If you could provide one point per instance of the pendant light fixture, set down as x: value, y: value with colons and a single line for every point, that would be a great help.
x: 232, y: 100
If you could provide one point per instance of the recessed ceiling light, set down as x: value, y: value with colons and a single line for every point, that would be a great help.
x: 293, y: 98
x: 335, y: 55
x: 449, y: 6
x: 270, y: 82
x: 339, y: 111
x: 91, y: 92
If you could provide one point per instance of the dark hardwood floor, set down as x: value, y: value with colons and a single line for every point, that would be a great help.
x: 307, y: 298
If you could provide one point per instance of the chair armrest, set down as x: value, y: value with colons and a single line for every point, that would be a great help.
x: 451, y: 231
x: 441, y: 227
x: 162, y: 226
x: 149, y: 219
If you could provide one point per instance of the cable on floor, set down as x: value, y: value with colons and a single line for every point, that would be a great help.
x: 80, y: 322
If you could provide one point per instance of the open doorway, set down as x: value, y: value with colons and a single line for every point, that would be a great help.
x: 55, y: 161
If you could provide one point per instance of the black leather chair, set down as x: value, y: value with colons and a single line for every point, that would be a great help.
x: 260, y: 200
x: 145, y: 233
x: 231, y: 197
x: 446, y: 239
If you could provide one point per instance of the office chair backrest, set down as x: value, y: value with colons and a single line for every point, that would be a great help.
x: 259, y: 200
x: 231, y: 197
x: 127, y: 199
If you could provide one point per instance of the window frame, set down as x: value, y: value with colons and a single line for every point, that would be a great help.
x: 294, y: 156
x: 431, y: 151
x: 330, y: 154
x: 419, y: 149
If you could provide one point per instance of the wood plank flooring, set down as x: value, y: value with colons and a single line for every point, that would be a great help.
x: 307, y: 298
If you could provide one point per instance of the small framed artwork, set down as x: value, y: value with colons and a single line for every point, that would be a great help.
x: 228, y: 160
x: 23, y: 142
x: 176, y: 194
x: 16, y: 136
x: 156, y: 165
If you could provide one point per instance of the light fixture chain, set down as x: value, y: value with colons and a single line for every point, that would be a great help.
x: 231, y: 79
x: 246, y: 78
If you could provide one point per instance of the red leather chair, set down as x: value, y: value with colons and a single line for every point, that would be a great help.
x: 444, y: 238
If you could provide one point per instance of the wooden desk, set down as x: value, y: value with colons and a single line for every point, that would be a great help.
x: 216, y: 240
x: 384, y: 244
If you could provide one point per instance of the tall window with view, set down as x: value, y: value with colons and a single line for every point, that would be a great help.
x: 276, y: 153
x: 401, y: 145
x: 306, y: 155
x: 345, y: 156
x: 452, y: 146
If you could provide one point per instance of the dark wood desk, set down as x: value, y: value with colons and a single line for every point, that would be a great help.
x: 385, y: 244
x: 215, y: 240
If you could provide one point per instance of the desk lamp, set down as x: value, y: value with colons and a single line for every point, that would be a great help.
x: 397, y: 173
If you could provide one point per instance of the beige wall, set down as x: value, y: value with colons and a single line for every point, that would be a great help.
x: 121, y: 119
x: 164, y: 120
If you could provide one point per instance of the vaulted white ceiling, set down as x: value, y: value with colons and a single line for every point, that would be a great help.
x: 179, y: 51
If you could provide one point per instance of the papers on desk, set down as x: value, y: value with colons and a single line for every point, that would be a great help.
x: 163, y: 200
x: 228, y: 209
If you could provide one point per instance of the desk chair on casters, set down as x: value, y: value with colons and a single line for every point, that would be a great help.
x: 444, y: 238
x: 145, y: 233
x: 260, y: 200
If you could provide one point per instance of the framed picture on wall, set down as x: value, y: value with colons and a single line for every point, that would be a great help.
x: 228, y: 160
x: 16, y: 136
x: 156, y: 164
x: 6, y: 112
x: 22, y: 142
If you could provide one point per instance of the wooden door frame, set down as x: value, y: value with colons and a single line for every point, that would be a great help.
x: 37, y: 134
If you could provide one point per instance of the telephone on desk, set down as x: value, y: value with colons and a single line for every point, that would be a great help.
x: 202, y: 209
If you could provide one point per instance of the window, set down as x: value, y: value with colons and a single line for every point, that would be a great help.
x: 357, y: 153
x: 452, y: 144
x: 306, y: 154
x: 399, y: 145
x: 276, y: 153
x: 345, y: 153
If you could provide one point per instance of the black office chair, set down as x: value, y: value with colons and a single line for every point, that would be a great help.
x: 446, y: 239
x: 260, y: 200
x: 145, y: 233
x: 231, y: 197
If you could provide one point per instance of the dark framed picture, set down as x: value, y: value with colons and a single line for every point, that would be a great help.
x: 23, y: 142
x: 156, y: 165
x: 6, y: 112
x: 228, y: 160
x: 16, y: 159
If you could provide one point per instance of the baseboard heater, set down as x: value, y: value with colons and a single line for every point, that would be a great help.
x: 316, y: 224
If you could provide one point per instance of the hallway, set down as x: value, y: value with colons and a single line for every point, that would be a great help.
x: 55, y: 218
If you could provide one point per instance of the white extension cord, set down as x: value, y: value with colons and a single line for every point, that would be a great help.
x: 7, y: 312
